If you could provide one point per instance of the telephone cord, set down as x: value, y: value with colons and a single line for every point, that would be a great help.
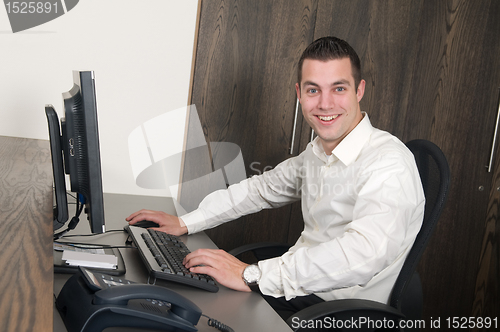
x: 218, y: 325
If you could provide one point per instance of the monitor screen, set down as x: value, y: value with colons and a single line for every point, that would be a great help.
x: 75, y: 149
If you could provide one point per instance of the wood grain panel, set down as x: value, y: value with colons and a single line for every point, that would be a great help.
x: 243, y: 89
x: 487, y: 291
x: 25, y: 235
x: 453, y: 47
x: 432, y: 71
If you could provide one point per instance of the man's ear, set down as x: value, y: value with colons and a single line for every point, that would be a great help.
x: 361, y: 90
x: 297, y: 89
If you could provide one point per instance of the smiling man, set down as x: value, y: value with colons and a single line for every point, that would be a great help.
x: 362, y: 200
x: 330, y: 97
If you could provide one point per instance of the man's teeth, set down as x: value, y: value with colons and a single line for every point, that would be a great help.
x: 327, y: 118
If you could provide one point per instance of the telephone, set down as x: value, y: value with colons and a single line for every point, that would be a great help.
x: 91, y: 301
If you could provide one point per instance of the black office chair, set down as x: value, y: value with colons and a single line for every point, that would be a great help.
x: 406, y: 301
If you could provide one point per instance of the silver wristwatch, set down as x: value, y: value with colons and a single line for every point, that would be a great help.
x: 251, y: 275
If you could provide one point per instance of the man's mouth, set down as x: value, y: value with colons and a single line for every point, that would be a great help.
x: 327, y: 118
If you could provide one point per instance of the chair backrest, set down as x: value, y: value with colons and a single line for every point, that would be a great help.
x: 435, y: 175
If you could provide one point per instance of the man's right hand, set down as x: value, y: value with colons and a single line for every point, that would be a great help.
x: 167, y: 223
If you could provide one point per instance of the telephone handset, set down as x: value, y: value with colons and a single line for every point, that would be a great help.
x: 177, y: 304
x: 92, y: 301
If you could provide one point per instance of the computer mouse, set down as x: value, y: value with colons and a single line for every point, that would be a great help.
x: 146, y: 224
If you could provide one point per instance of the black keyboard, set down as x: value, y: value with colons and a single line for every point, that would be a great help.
x: 163, y: 254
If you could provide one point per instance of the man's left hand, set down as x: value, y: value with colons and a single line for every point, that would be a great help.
x: 220, y: 265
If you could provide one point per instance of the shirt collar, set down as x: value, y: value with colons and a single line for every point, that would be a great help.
x: 349, y: 148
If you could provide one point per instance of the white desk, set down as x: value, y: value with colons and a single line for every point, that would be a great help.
x: 241, y: 311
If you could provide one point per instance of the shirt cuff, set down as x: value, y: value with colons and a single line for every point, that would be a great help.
x: 194, y: 221
x: 270, y: 280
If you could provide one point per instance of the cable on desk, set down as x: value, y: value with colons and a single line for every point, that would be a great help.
x: 74, y: 221
x: 106, y: 232
x: 94, y: 246
x: 218, y: 325
x: 128, y: 241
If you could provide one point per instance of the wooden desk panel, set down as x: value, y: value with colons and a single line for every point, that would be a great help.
x: 26, y: 262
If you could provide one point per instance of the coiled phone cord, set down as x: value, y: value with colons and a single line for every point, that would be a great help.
x: 218, y: 325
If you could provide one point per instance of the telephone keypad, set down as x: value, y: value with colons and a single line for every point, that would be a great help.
x: 98, y: 281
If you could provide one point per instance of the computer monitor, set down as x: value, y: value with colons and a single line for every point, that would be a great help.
x: 75, y: 151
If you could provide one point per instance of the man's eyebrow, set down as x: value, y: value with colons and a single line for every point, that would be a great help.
x: 341, y: 82
x: 310, y: 83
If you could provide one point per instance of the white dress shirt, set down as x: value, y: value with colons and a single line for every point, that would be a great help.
x: 363, y: 206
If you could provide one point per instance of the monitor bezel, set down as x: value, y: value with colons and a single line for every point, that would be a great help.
x: 60, y: 211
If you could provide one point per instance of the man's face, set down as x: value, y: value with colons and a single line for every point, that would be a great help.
x: 329, y: 99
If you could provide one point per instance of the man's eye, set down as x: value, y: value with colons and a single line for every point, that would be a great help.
x: 313, y: 90
x: 339, y: 89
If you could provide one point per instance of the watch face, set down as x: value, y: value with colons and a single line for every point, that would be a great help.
x: 251, y: 274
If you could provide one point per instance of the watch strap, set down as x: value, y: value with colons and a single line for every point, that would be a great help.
x: 254, y: 287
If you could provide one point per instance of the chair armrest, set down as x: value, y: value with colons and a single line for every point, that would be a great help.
x: 271, y: 249
x: 359, y: 311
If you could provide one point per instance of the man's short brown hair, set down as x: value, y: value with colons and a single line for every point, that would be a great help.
x: 331, y: 48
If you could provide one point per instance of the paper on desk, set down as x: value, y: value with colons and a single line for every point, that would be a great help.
x: 75, y: 258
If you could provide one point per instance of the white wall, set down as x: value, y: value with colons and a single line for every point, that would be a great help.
x: 141, y: 53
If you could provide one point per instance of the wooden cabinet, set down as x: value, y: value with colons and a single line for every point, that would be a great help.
x: 244, y: 92
x: 432, y: 70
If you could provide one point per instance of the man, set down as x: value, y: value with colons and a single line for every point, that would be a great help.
x: 362, y: 200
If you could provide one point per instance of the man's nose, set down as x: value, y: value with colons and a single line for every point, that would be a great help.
x: 326, y: 101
